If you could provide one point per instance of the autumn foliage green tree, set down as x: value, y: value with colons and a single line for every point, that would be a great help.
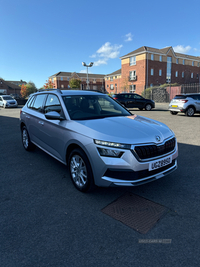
x: 23, y: 91
x: 48, y: 85
x: 74, y: 83
x: 27, y: 89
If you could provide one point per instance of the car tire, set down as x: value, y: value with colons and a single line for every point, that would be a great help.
x: 27, y: 144
x: 148, y: 107
x: 174, y: 112
x: 190, y: 111
x: 80, y: 171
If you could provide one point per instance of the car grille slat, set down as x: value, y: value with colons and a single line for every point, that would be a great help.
x: 152, y: 151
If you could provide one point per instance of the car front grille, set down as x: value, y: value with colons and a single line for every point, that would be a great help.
x: 153, y: 151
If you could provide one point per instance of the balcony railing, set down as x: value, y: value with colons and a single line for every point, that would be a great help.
x: 133, y: 78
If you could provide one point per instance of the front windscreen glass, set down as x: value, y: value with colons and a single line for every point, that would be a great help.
x: 85, y: 107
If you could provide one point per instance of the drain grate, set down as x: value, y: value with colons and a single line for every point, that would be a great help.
x: 136, y: 212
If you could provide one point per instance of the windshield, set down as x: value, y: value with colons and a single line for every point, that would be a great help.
x: 7, y: 98
x: 85, y: 107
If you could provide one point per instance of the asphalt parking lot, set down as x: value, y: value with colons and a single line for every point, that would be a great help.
x: 45, y: 221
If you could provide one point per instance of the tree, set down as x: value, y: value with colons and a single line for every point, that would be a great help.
x: 74, y: 83
x: 27, y: 89
x: 48, y: 85
x: 125, y: 84
x: 23, y: 91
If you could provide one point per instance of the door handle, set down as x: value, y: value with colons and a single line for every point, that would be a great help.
x: 28, y: 117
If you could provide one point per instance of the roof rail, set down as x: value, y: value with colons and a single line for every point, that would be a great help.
x: 59, y: 91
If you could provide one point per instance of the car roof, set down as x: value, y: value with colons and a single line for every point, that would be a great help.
x: 70, y: 92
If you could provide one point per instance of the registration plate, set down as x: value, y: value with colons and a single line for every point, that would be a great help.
x: 174, y: 106
x: 156, y: 164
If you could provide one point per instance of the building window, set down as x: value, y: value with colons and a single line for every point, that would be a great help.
x: 132, y: 88
x: 169, y: 69
x: 177, y: 61
x: 111, y: 87
x: 132, y: 61
x: 198, y: 64
x: 132, y: 75
x: 62, y: 86
x: 182, y: 74
x: 115, y: 77
x: 107, y: 85
x: 197, y: 76
x: 151, y: 72
x: 160, y: 72
x: 61, y: 78
x: 192, y: 63
x: 111, y: 78
x: 176, y: 74
x: 192, y: 75
x: 160, y: 58
x: 94, y: 80
x: 151, y: 85
x: 152, y: 56
x: 183, y: 61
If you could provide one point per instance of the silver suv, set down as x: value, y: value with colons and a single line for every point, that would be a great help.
x: 186, y: 103
x: 102, y: 143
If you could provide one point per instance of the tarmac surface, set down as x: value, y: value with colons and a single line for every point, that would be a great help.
x: 45, y: 221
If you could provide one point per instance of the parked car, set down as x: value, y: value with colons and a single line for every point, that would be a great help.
x: 7, y: 101
x: 102, y: 143
x: 186, y: 103
x: 131, y: 100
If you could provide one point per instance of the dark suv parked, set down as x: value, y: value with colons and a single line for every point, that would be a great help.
x: 131, y: 100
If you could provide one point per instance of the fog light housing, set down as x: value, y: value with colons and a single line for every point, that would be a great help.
x: 105, y: 152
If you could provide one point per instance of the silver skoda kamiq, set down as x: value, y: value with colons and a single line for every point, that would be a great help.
x: 99, y: 140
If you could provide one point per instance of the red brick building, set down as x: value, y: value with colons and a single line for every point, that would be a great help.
x: 9, y: 87
x: 147, y: 67
x: 61, y: 80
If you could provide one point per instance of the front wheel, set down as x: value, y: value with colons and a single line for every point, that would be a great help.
x: 80, y: 171
x: 148, y: 107
x: 190, y: 112
x: 26, y: 140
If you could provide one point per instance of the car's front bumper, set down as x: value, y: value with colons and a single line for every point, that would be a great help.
x: 129, y: 171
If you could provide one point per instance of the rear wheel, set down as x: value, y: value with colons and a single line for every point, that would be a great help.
x: 148, y: 107
x: 173, y: 112
x: 26, y: 140
x: 80, y: 170
x: 190, y: 112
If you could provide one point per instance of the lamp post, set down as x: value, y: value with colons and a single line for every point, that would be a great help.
x: 85, y: 65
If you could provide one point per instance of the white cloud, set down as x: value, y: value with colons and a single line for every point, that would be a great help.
x: 129, y: 37
x: 100, y: 62
x: 106, y: 51
x: 181, y: 49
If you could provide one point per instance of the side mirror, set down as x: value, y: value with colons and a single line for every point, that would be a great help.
x: 53, y: 115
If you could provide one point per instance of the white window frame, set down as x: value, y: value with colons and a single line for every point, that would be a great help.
x: 182, y: 74
x: 132, y: 75
x: 176, y: 74
x: 111, y: 78
x: 192, y: 75
x: 152, y: 72
x: 152, y: 57
x: 160, y: 72
x: 133, y: 61
x: 177, y: 61
x: 111, y: 87
x: 183, y: 61
x: 192, y: 63
x: 160, y: 58
x: 132, y: 88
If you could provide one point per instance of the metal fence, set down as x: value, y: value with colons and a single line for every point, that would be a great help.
x: 166, y: 94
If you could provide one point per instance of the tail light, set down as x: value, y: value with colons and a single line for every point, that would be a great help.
x: 115, y: 98
x: 184, y: 101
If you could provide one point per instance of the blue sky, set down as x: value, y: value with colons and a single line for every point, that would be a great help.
x: 42, y: 37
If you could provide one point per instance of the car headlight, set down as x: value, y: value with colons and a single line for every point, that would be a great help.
x: 109, y: 152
